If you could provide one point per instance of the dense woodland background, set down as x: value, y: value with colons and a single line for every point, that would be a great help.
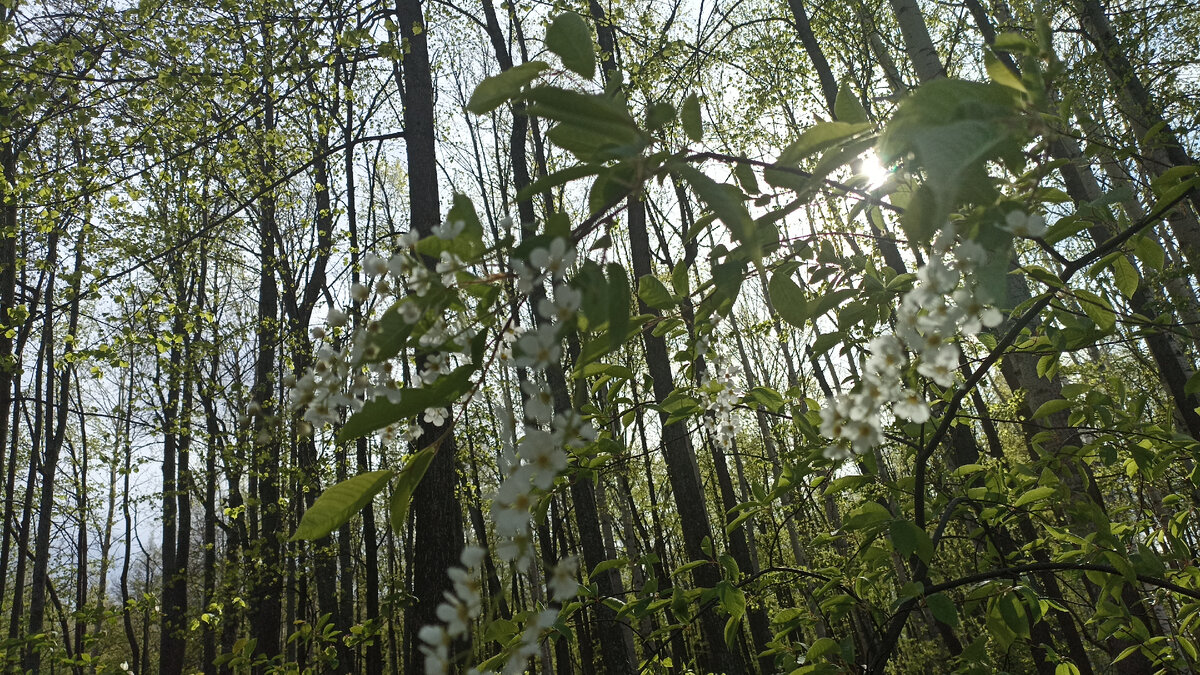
x: 191, y: 188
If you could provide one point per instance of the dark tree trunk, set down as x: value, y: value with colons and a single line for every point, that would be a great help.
x: 436, y: 511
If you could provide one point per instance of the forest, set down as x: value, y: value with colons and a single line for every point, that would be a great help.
x: 604, y: 337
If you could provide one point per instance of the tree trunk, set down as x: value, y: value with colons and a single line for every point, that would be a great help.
x: 436, y: 511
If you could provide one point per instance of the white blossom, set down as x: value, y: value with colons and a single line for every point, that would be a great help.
x: 436, y: 416
x: 336, y: 318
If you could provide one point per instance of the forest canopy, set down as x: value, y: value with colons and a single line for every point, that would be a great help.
x: 604, y: 337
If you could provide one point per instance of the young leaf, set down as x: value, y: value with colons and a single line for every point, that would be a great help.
x: 570, y: 38
x: 338, y: 504
x: 1050, y: 407
x: 1097, y: 309
x: 1125, y: 275
x: 847, y: 108
x: 410, y: 476
x: 942, y: 608
x: 499, y: 88
x: 380, y: 412
x: 788, y: 299
x: 909, y: 539
x: 654, y: 293
x: 721, y: 199
x: 1037, y: 494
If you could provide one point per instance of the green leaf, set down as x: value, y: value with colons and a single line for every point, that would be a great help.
x: 593, y: 127
x: 406, y: 483
x: 942, y: 608
x: 689, y: 116
x: 732, y: 624
x: 1150, y: 252
x: 679, y: 279
x: 607, y: 565
x: 869, y: 513
x: 654, y: 293
x: 380, y: 412
x: 659, y: 114
x: 919, y: 220
x: 619, y: 294
x: 1193, y: 384
x: 821, y: 647
x: 910, y: 539
x: 788, y: 300
x: 1097, y: 309
x: 556, y: 179
x: 1014, y: 42
x: 1050, y: 407
x: 1125, y: 276
x: 570, y: 38
x: 819, y: 137
x: 847, y: 108
x: 952, y: 128
x: 391, y: 337
x: 723, y: 200
x: 338, y: 504
x: 497, y: 89
x: 1000, y: 74
x: 1037, y: 494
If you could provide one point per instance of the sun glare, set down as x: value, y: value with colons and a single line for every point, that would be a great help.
x: 874, y: 171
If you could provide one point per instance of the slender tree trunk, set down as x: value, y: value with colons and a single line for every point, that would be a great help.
x: 266, y: 610
x: 436, y: 510
x: 54, y: 443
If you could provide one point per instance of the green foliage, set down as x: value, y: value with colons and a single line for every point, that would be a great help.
x: 337, y: 504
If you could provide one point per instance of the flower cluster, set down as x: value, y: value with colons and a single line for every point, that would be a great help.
x: 346, y: 378
x: 456, y: 613
x: 946, y: 302
x: 404, y: 280
x: 723, y: 391
x: 531, y: 467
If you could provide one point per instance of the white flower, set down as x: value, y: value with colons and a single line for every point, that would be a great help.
x: 317, y: 332
x: 359, y: 293
x: 542, y: 454
x: 450, y: 229
x: 455, y: 614
x: 538, y: 402
x: 433, y: 635
x: 436, y: 365
x: 472, y: 556
x: 562, y: 582
x: 939, y: 278
x: 555, y: 260
x: 410, y: 311
x: 912, y: 406
x: 374, y: 265
x: 447, y: 266
x: 436, y: 334
x: 420, y: 281
x: 539, y: 349
x: 517, y: 548
x: 864, y: 435
x: 1026, y: 225
x: 887, y: 356
x: 467, y: 589
x: 405, y: 239
x: 413, y: 432
x: 562, y: 308
x: 938, y: 371
x: 336, y: 318
x: 969, y: 255
x: 436, y: 416
x: 975, y: 314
